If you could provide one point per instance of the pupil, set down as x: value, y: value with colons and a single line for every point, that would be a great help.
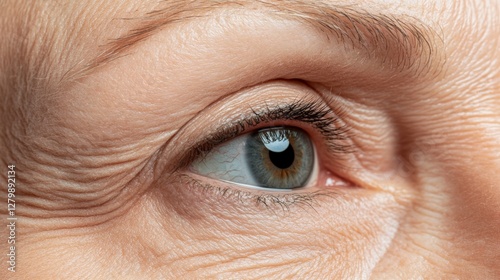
x: 283, y: 159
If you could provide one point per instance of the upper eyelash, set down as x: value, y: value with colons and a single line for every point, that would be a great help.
x: 315, y: 112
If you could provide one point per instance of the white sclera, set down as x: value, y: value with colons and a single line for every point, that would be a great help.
x: 227, y: 162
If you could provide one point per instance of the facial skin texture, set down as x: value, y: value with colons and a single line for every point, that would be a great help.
x: 99, y: 112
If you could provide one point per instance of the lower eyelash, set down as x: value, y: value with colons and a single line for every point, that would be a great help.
x: 274, y: 202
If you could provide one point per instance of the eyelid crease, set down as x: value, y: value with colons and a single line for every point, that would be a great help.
x: 315, y: 112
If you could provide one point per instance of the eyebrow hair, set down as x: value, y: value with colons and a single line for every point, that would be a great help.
x: 403, y: 43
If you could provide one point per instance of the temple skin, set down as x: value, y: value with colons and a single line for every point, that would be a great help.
x: 101, y: 102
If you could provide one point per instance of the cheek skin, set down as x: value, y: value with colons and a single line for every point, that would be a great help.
x: 182, y: 236
x: 193, y: 237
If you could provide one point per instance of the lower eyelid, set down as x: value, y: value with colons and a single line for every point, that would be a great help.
x: 324, y: 184
x: 222, y: 193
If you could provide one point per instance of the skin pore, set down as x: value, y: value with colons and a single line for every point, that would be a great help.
x: 104, y: 106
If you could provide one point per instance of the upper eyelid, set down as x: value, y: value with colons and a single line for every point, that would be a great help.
x: 317, y: 106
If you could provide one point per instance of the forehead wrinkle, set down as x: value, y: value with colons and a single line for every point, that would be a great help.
x: 403, y: 44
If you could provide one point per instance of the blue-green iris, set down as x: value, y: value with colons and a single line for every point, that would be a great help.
x: 280, y: 157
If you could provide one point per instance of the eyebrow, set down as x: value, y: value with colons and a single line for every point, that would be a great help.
x: 402, y: 43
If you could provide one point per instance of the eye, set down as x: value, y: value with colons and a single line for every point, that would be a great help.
x: 275, y: 157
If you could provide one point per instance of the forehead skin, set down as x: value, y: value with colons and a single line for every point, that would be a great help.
x: 89, y: 27
x: 51, y: 47
x: 76, y: 34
